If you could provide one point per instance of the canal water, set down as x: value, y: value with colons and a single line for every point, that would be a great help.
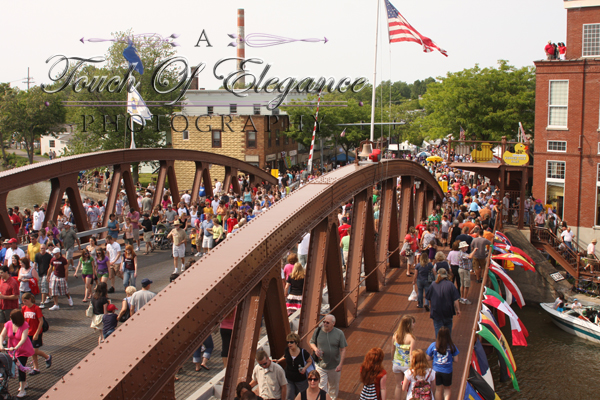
x: 554, y: 365
x: 28, y: 196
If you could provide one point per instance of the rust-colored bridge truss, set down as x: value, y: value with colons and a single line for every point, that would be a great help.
x: 63, y: 173
x: 140, y: 359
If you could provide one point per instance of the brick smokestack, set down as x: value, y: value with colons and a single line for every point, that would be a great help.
x: 241, y: 51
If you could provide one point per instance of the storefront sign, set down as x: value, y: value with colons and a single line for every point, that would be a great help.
x: 271, y: 157
x: 252, y: 158
x: 519, y: 157
x: 293, y: 153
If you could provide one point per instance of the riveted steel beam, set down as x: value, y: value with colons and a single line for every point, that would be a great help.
x: 407, y: 208
x: 143, y: 355
x: 333, y: 273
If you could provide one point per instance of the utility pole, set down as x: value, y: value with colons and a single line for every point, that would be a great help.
x: 29, y: 79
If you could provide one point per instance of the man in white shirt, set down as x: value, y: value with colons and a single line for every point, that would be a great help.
x: 218, y: 186
x: 186, y: 197
x: 38, y: 218
x: 67, y: 210
x: 12, y: 250
x: 567, y: 237
x: 114, y: 255
x: 591, y: 249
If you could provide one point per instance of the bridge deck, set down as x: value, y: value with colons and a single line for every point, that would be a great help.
x: 376, y: 324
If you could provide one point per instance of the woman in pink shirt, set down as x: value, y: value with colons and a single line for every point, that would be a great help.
x: 16, y: 332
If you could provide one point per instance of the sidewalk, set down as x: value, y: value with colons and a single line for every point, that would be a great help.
x: 70, y: 337
x: 23, y: 153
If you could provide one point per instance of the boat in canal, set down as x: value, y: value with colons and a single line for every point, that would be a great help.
x: 575, y: 322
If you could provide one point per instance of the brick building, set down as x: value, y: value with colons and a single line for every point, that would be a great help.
x: 567, y: 124
x: 239, y: 127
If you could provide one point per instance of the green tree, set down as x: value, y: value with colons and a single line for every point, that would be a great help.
x: 329, y: 118
x: 4, y: 91
x: 488, y: 103
x: 110, y: 129
x: 29, y: 114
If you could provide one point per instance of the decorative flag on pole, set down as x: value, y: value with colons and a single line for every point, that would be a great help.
x: 401, y: 31
x: 504, y: 248
x: 515, y: 259
x: 485, y: 333
x: 509, y: 284
x: 343, y: 133
x: 312, y: 143
x: 502, y: 237
x: 137, y: 108
x: 462, y: 133
x: 519, y: 332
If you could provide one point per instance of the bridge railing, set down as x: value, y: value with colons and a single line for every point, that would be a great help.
x: 469, y: 353
x: 243, y: 272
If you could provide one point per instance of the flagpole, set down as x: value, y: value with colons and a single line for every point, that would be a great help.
x: 132, y: 146
x: 374, y: 77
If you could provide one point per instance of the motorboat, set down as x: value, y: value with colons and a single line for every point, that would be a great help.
x: 578, y: 322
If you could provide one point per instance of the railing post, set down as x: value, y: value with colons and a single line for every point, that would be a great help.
x: 6, y: 228
x: 361, y: 242
x: 313, y: 281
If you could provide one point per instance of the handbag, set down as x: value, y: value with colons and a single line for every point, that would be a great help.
x: 311, y: 367
x: 430, y: 276
x: 314, y: 355
x: 33, y: 286
x: 90, y: 311
x: 406, y: 250
x: 126, y: 314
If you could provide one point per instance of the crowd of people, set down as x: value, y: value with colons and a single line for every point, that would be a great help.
x: 555, y: 51
x: 462, y: 226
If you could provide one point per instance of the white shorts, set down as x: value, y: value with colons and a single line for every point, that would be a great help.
x: 179, y: 251
x: 397, y: 369
x: 208, y: 242
x: 69, y: 253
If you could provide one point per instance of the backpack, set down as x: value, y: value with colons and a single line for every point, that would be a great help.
x: 422, y: 389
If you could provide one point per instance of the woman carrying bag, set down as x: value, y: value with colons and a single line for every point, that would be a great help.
x: 298, y: 364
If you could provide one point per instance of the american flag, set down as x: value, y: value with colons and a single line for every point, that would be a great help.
x: 402, y: 31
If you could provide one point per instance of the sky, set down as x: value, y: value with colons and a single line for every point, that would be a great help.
x: 471, y: 31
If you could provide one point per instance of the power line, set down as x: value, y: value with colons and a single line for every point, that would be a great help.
x: 28, y: 80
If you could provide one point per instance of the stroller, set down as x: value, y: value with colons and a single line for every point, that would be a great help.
x: 7, y: 370
x: 160, y: 237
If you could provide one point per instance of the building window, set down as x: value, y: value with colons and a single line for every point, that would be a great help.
x: 276, y: 137
x: 210, y: 110
x: 555, y: 186
x: 52, y: 143
x: 186, y: 135
x: 216, y: 138
x: 233, y: 109
x: 555, y: 145
x: 257, y: 109
x: 591, y: 40
x: 269, y: 140
x: 250, y: 140
x: 558, y: 104
x: 286, y: 139
x: 556, y: 170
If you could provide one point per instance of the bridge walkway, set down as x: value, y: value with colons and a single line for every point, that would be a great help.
x: 377, y: 321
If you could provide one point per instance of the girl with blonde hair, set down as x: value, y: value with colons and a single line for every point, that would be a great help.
x: 404, y: 342
x: 295, y: 285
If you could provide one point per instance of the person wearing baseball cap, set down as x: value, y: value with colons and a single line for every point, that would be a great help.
x: 140, y: 298
x: 13, y: 248
x: 58, y: 279
x: 109, y: 321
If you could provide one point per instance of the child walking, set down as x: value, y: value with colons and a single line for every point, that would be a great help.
x: 443, y: 352
x: 419, y: 379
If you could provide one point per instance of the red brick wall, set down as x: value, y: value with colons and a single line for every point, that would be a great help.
x: 262, y: 136
x: 576, y: 17
x: 584, y: 104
